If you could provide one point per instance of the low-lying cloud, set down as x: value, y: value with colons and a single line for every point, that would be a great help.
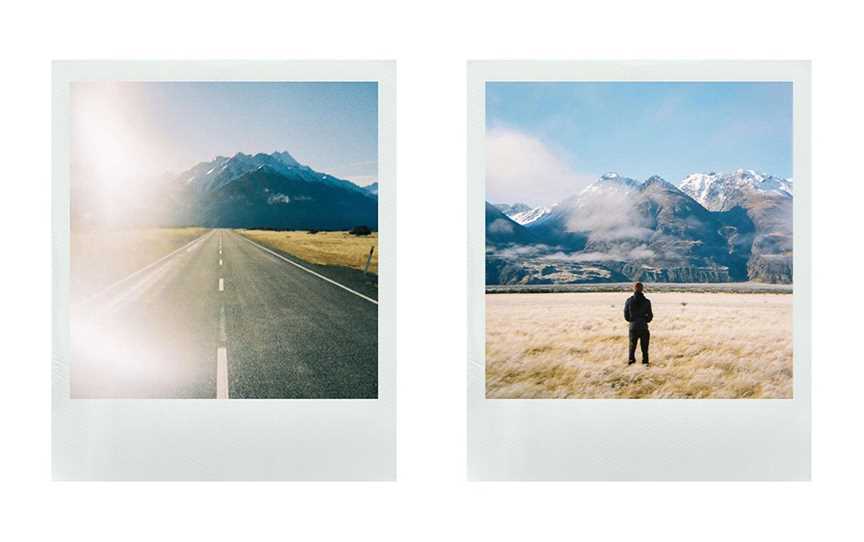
x: 500, y: 225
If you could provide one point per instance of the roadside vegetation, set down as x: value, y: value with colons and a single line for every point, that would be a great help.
x: 323, y: 248
x: 703, y: 345
x: 98, y: 258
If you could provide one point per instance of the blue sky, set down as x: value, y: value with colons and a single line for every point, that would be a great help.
x: 635, y: 129
x: 159, y: 126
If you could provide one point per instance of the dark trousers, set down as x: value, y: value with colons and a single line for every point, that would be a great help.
x: 642, y: 336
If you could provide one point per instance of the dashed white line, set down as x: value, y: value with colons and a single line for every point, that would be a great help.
x: 220, y: 262
x: 222, y: 336
x: 222, y: 373
x: 221, y: 284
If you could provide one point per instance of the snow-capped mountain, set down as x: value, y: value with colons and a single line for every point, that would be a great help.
x: 619, y: 228
x: 372, y: 189
x: 511, y: 209
x: 722, y: 192
x: 533, y: 216
x: 272, y: 191
x: 612, y: 182
x: 523, y: 214
x: 215, y: 174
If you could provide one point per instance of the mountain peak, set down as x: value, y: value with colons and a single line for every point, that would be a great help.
x: 723, y: 191
x: 285, y: 157
x: 614, y: 180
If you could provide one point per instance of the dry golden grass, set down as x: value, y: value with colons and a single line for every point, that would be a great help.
x: 100, y: 257
x: 323, y: 248
x: 703, y: 345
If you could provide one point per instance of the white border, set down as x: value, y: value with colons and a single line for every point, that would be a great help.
x: 677, y: 439
x: 189, y: 439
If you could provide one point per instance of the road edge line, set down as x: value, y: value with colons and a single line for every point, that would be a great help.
x: 94, y: 297
x: 304, y: 268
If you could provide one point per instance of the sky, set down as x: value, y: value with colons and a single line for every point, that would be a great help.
x: 127, y: 132
x: 546, y: 141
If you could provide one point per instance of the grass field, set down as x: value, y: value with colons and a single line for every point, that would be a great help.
x: 703, y: 345
x: 323, y: 248
x: 99, y: 258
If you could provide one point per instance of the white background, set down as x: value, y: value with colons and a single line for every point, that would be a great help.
x: 431, y: 42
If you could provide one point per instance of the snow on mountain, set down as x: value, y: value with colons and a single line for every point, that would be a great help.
x: 523, y: 214
x: 511, y: 209
x: 612, y: 182
x: 532, y: 216
x: 372, y: 189
x: 724, y: 191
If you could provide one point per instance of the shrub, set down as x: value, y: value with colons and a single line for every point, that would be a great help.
x: 360, y: 230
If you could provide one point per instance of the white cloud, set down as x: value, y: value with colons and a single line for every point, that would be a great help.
x: 521, y: 168
x: 500, y: 226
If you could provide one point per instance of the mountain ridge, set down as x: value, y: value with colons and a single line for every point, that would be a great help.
x: 620, y: 228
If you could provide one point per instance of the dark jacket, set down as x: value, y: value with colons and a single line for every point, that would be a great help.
x: 637, y: 311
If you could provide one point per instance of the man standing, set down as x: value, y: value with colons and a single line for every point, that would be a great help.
x: 637, y: 311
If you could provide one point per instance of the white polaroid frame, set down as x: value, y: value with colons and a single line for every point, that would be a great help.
x: 639, y: 439
x: 203, y: 439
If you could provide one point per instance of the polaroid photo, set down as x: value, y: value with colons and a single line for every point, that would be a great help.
x: 224, y: 260
x: 639, y: 289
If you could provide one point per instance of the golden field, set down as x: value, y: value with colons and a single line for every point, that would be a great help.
x: 99, y: 258
x: 703, y: 345
x: 322, y: 248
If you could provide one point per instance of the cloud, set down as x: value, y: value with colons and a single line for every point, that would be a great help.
x: 608, y: 216
x: 619, y: 254
x: 521, y: 168
x: 500, y: 226
x: 522, y: 252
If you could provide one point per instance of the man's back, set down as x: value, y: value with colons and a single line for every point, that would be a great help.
x: 637, y: 311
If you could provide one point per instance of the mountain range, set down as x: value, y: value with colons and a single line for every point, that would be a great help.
x: 709, y: 228
x: 269, y: 191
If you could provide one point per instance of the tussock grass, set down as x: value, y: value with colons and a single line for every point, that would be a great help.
x: 100, y: 257
x: 703, y: 345
x: 323, y: 248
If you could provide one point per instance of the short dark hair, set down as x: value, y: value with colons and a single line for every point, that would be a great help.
x: 638, y: 286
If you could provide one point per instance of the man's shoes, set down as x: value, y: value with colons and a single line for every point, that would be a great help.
x: 631, y: 362
x: 645, y: 363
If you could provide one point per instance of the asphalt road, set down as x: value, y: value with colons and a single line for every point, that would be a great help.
x: 225, y: 318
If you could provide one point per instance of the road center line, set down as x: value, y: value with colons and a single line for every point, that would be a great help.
x: 222, y: 373
x: 222, y: 336
x: 221, y: 284
x: 320, y: 276
x: 220, y: 262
